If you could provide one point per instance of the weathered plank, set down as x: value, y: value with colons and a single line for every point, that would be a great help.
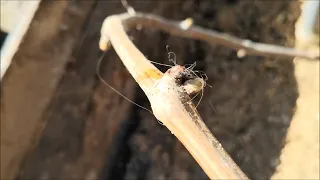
x: 31, y: 80
x: 85, y: 115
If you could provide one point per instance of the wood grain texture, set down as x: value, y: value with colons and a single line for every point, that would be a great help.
x: 31, y: 80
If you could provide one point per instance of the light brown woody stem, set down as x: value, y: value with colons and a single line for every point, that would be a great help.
x: 170, y: 103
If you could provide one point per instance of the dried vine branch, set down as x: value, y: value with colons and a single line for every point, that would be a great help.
x: 169, y: 101
x: 179, y: 28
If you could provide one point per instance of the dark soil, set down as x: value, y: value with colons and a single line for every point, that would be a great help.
x: 92, y: 132
x: 253, y: 97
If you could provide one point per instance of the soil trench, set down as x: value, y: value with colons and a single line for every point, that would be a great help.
x: 88, y: 131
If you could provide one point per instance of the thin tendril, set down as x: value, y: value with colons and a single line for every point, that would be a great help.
x: 205, y: 79
x: 202, y: 90
x: 193, y: 97
x: 203, y: 85
x: 104, y: 82
x: 193, y: 65
x: 160, y: 64
x: 214, y: 110
x: 173, y: 60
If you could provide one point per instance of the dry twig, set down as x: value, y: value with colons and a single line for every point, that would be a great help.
x: 177, y: 28
x: 169, y: 101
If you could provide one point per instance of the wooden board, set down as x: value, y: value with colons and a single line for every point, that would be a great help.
x: 30, y: 82
x: 16, y: 17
